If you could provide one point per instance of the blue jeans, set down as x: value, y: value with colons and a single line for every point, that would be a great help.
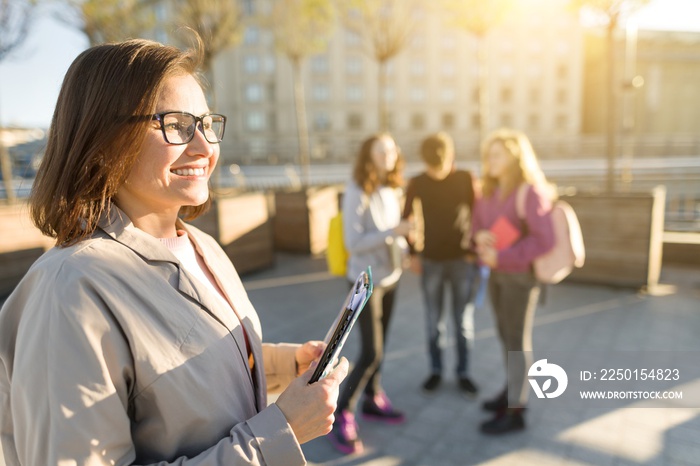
x: 461, y: 278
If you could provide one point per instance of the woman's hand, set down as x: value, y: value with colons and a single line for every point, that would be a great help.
x: 307, y: 353
x: 489, y: 256
x: 309, y: 408
x: 484, y: 239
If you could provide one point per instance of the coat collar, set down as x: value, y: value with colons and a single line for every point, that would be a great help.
x: 117, y: 225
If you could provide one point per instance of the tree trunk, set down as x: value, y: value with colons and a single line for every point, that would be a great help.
x: 611, y: 137
x: 381, y: 103
x: 483, y: 87
x: 6, y: 166
x: 302, y: 129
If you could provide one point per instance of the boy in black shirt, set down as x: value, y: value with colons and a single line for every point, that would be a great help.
x: 445, y: 197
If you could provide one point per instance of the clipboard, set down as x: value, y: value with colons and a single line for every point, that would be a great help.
x: 337, y: 334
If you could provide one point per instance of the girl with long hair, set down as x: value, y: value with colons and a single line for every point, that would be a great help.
x: 510, y: 169
x: 374, y: 235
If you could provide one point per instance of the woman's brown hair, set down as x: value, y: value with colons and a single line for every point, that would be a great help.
x: 97, y: 130
x: 365, y: 172
x: 525, y: 168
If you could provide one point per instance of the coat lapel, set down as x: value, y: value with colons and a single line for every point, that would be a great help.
x: 118, y: 226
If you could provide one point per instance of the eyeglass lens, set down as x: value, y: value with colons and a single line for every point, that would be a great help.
x: 179, y: 128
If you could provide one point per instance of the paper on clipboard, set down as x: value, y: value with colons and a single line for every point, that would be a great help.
x: 506, y: 234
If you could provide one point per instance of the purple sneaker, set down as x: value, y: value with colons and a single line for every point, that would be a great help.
x: 379, y: 408
x: 344, y: 434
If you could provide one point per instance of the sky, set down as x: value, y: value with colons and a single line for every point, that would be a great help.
x: 31, y: 77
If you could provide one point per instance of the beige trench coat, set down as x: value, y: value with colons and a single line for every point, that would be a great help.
x: 111, y: 353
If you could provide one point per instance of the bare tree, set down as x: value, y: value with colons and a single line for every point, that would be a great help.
x: 611, y: 12
x: 110, y: 20
x: 220, y: 24
x: 385, y: 27
x: 300, y: 28
x: 15, y: 19
x: 479, y: 17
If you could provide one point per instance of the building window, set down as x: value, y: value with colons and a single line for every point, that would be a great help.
x: 319, y: 64
x: 352, y: 39
x: 354, y: 121
x: 417, y: 121
x: 353, y: 93
x: 448, y: 69
x: 447, y: 94
x: 448, y: 120
x: 248, y: 7
x: 353, y: 65
x: 322, y: 122
x: 417, y: 94
x: 417, y: 68
x: 320, y: 92
x: 507, y: 71
x: 253, y: 93
x: 251, y: 64
x: 388, y: 94
x: 448, y: 41
x: 251, y: 35
x: 255, y: 121
x: 269, y: 64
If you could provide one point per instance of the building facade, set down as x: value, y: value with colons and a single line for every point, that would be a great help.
x: 535, y: 70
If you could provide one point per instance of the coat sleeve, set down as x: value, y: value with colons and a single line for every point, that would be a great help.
x: 72, y: 383
x: 280, y: 365
x: 540, y: 232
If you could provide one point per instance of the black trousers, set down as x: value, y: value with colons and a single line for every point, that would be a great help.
x: 514, y: 298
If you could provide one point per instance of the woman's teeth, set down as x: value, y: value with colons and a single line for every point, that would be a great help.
x: 189, y: 171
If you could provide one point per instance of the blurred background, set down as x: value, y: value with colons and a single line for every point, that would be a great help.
x: 606, y: 89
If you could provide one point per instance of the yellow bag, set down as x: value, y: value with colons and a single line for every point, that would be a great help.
x: 336, y: 254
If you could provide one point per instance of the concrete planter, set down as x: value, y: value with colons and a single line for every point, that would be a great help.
x: 302, y: 218
x: 242, y: 225
x: 623, y: 234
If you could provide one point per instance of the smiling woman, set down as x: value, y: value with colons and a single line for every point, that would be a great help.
x: 149, y: 350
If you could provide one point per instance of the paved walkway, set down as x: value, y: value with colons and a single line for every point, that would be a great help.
x: 297, y: 300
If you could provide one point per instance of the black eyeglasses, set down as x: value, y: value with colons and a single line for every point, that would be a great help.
x: 179, y: 127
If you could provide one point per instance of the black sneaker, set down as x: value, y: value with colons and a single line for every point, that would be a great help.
x: 432, y: 383
x: 467, y: 388
x: 510, y: 420
x: 497, y: 404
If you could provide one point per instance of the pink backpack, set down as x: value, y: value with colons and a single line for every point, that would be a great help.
x: 568, y: 251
